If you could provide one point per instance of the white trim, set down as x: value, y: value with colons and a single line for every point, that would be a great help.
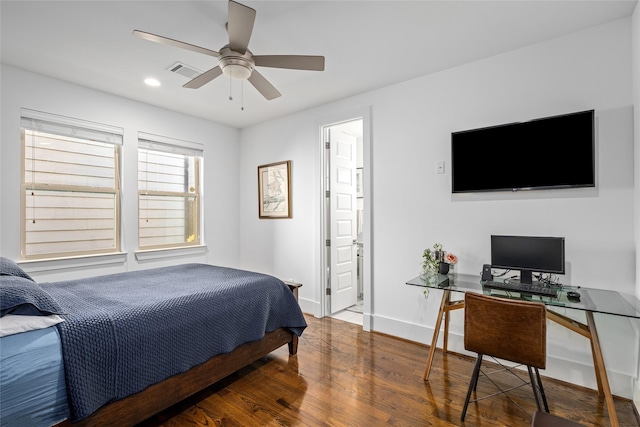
x: 153, y: 254
x: 636, y: 395
x: 82, y: 261
x: 367, y: 269
x: 308, y: 306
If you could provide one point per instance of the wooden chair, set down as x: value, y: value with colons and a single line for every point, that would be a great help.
x: 511, y: 330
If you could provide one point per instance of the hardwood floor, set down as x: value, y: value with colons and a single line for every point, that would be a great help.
x: 342, y: 376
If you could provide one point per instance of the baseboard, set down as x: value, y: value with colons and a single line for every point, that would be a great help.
x: 309, y: 306
x: 557, y: 367
x: 636, y: 400
x: 367, y: 322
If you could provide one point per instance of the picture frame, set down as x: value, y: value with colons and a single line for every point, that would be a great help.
x: 274, y: 190
x: 359, y: 184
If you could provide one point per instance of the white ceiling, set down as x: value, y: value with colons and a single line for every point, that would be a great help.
x: 367, y: 45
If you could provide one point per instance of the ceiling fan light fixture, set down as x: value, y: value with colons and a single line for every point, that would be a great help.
x: 236, y: 65
x: 236, y: 71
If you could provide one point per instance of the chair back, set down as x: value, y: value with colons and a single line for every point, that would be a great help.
x: 507, y: 329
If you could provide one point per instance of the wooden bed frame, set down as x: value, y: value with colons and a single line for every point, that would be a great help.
x: 140, y: 406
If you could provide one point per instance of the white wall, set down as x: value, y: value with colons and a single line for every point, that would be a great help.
x: 636, y: 102
x: 221, y: 158
x: 413, y: 207
x: 1, y: 174
x: 269, y: 245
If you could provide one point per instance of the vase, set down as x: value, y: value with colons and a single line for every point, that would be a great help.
x: 443, y: 268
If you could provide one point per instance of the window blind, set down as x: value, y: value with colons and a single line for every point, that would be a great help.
x: 69, y: 127
x: 70, y: 187
x: 168, y: 192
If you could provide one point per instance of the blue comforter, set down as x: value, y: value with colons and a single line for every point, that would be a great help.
x: 125, y: 332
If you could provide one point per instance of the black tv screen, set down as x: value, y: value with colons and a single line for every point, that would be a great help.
x: 546, y: 153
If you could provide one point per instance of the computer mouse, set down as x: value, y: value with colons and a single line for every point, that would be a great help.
x: 573, y: 296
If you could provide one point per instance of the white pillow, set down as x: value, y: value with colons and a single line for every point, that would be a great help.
x: 14, y: 324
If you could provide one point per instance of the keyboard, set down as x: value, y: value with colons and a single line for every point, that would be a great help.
x: 533, y: 289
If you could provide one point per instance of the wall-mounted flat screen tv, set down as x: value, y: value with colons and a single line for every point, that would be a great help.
x: 547, y: 153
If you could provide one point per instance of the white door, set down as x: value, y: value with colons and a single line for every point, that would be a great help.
x: 342, y: 194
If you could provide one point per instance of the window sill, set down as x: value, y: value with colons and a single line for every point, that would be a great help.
x: 53, y: 264
x: 153, y: 254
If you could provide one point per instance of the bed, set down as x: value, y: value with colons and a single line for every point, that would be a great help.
x: 129, y: 345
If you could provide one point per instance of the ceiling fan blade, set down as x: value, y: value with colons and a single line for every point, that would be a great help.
x: 294, y: 62
x: 176, y: 43
x: 264, y: 87
x: 240, y: 26
x: 203, y: 78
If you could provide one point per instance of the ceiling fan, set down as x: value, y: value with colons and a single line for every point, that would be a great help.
x: 235, y: 60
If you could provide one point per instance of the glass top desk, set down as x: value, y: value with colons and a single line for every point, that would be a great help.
x: 591, y: 301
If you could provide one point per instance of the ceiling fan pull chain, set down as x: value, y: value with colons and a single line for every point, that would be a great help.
x: 241, y: 95
x: 230, y: 86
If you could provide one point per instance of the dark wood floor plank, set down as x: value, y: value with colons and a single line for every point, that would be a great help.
x: 343, y: 376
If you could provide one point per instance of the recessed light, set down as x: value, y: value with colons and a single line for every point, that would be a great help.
x: 152, y: 82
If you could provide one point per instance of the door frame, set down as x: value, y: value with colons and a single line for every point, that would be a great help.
x: 367, y: 237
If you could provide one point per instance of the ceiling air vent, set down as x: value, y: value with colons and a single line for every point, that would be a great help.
x: 184, y: 70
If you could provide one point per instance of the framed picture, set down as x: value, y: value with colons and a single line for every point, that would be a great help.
x: 359, y: 187
x: 274, y: 190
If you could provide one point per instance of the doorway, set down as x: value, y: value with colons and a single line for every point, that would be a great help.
x: 345, y: 229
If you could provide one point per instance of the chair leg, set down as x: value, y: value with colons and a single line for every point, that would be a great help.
x: 544, y: 397
x: 534, y: 388
x: 475, y: 383
x: 472, y: 386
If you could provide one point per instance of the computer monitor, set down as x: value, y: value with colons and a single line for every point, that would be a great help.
x: 528, y: 254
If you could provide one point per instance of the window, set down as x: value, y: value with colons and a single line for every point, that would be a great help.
x: 168, y: 192
x: 70, y: 187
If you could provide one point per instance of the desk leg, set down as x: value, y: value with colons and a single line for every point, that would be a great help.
x: 590, y: 332
x: 600, y: 368
x: 447, y: 303
x: 436, y: 332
